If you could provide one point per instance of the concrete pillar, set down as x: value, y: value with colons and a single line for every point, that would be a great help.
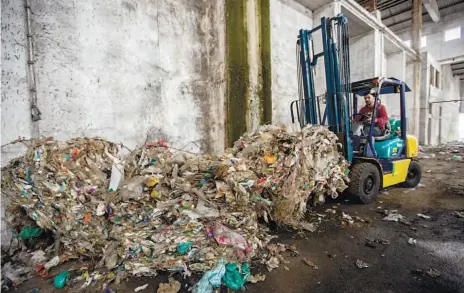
x: 462, y: 96
x: 416, y: 32
x: 424, y: 115
x: 378, y: 53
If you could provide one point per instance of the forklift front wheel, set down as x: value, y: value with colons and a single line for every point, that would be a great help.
x: 414, y: 175
x: 364, y: 182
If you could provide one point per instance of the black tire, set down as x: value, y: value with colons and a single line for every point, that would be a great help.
x: 414, y: 175
x: 364, y: 182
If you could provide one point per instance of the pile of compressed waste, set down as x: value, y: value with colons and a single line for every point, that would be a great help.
x: 157, y: 210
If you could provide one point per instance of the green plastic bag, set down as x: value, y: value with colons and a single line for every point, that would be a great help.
x: 235, y: 278
x: 30, y: 232
x: 60, y: 280
x: 184, y: 247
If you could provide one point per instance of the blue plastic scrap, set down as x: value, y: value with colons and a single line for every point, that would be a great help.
x: 184, y: 247
x: 211, y: 279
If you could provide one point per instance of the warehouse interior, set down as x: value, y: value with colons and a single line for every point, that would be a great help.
x: 88, y: 89
x: 198, y: 75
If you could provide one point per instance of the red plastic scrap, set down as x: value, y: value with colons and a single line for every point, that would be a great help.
x: 162, y: 143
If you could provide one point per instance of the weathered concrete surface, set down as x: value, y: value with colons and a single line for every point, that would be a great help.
x: 395, y: 67
x: 15, y: 114
x: 126, y: 70
x: 123, y: 70
x: 287, y: 18
x: 434, y: 127
x: 363, y: 59
x: 435, y: 32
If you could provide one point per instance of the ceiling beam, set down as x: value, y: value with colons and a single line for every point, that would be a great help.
x: 458, y: 72
x: 457, y: 59
x: 432, y: 9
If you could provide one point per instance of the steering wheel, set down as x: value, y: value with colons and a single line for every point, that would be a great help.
x: 364, y: 116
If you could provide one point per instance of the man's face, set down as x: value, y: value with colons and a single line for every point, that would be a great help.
x: 369, y: 100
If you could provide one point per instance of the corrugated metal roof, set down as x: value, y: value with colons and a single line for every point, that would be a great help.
x: 447, y: 3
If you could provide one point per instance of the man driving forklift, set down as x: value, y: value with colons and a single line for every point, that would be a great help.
x: 365, y: 116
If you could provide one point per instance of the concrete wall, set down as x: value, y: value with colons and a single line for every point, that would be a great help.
x: 395, y: 67
x: 362, y: 57
x: 435, y: 127
x: 287, y: 18
x: 15, y: 115
x: 435, y: 33
x: 122, y: 70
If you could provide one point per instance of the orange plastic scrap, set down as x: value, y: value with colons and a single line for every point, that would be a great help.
x: 74, y: 153
x: 270, y: 158
x: 87, y: 218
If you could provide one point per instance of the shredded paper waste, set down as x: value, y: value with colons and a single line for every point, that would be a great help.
x: 157, y: 210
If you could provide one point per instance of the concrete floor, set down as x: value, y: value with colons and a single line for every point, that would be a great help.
x: 336, y: 246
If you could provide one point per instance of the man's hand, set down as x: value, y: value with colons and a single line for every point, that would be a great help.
x: 368, y: 119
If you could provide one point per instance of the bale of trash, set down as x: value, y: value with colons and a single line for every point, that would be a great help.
x: 160, y: 210
x: 293, y: 166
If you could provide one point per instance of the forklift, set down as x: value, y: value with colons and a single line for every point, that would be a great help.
x: 376, y: 162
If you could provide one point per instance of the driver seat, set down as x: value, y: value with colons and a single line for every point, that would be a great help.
x: 386, y: 134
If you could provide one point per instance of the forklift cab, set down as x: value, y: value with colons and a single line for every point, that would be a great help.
x: 393, y: 141
x: 386, y: 160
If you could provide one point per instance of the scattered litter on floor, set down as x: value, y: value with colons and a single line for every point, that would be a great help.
x: 434, y: 273
x: 310, y: 263
x: 424, y: 216
x: 428, y: 171
x: 330, y: 211
x: 456, y: 158
x: 257, y: 278
x: 409, y: 190
x: 360, y: 264
x: 172, y: 287
x: 347, y: 218
x: 140, y: 288
x: 420, y: 185
x: 393, y: 216
x: 412, y: 241
x: 370, y: 244
x: 459, y: 214
x: 384, y: 241
x: 160, y: 210
x: 380, y: 240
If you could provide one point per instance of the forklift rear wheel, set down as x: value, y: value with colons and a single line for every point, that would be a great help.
x: 364, y: 182
x: 414, y: 175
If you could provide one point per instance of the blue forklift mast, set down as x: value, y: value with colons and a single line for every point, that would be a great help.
x: 336, y: 54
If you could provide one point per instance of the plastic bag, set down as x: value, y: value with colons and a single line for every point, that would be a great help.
x: 224, y: 235
x: 184, y: 247
x: 211, y: 279
x: 235, y: 277
x: 30, y: 232
x: 60, y: 280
